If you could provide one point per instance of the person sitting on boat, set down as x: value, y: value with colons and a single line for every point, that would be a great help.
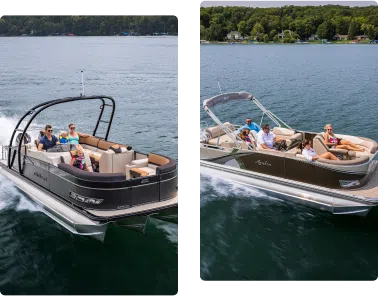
x: 266, y: 139
x: 244, y: 136
x: 311, y: 155
x: 48, y: 140
x: 78, y: 160
x: 73, y: 137
x: 333, y: 142
x: 250, y: 125
x: 63, y: 137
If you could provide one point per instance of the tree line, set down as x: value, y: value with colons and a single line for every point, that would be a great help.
x: 87, y: 25
x: 264, y: 24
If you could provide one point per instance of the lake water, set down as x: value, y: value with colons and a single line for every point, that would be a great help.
x: 38, y: 256
x: 248, y: 235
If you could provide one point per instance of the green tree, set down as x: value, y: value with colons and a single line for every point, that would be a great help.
x: 242, y: 28
x: 369, y: 30
x: 257, y: 32
x: 203, y: 32
x: 326, y: 30
x: 352, y: 31
x: 266, y: 38
x: 215, y: 32
x: 272, y: 34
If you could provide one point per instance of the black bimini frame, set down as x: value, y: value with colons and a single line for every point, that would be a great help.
x: 106, y: 101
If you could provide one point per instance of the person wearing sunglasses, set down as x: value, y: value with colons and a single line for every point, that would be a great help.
x: 250, y: 125
x: 332, y: 141
x: 48, y: 140
x: 73, y: 136
x: 266, y: 139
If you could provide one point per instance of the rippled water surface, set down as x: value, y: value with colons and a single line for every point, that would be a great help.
x: 38, y: 256
x: 248, y: 235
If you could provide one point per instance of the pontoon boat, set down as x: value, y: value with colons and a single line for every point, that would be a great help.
x: 349, y: 186
x: 122, y: 186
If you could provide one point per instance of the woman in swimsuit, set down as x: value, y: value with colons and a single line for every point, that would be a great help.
x: 333, y: 142
x: 73, y: 137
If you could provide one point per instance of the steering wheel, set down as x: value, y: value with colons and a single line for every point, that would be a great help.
x: 62, y: 148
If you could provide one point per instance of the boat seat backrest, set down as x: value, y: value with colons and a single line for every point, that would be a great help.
x: 91, y: 141
x: 112, y: 162
x: 216, y: 131
x: 318, y: 145
x: 95, y: 143
x: 53, y: 158
x: 287, y: 134
x: 120, y: 160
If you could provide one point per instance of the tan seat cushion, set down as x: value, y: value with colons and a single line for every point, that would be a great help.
x: 215, y: 131
x: 137, y: 172
x: 157, y: 159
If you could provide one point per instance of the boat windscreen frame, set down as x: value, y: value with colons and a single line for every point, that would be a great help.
x: 238, y: 96
x: 106, y: 101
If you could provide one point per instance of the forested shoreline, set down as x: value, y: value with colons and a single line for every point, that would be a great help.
x: 87, y: 25
x: 264, y: 24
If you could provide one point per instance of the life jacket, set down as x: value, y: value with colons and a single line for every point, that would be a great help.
x: 79, y: 162
x: 63, y: 140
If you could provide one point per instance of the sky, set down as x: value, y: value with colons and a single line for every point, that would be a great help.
x: 263, y: 4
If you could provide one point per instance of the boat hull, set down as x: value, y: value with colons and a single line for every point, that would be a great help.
x: 79, y: 221
x: 313, y: 196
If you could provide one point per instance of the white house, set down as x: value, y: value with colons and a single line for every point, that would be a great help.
x: 313, y: 37
x: 282, y: 35
x: 237, y: 36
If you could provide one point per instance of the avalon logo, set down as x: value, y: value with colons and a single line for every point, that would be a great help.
x: 39, y: 175
x: 265, y: 163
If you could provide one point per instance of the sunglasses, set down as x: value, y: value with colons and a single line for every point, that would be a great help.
x: 329, y: 129
x: 248, y: 121
x: 50, y: 131
x: 267, y: 128
x: 72, y: 127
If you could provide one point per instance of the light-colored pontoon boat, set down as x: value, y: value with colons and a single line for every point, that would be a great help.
x: 349, y: 186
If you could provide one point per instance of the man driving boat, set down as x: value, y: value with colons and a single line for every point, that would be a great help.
x: 48, y: 140
x: 266, y: 138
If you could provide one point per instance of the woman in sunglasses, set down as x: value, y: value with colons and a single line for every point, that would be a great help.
x: 333, y: 142
x: 48, y: 140
x: 73, y: 136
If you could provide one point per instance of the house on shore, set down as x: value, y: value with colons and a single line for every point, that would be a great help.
x: 236, y: 35
x: 282, y: 34
x: 340, y: 37
x: 362, y: 37
x: 313, y: 37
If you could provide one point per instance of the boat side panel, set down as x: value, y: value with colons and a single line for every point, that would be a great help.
x: 92, y: 198
x: 291, y: 168
x: 168, y: 188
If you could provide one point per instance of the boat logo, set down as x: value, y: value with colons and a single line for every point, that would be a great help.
x: 264, y: 163
x: 39, y: 175
x: 81, y: 198
x: 349, y: 183
x: 144, y: 181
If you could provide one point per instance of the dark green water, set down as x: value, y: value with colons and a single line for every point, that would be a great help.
x: 38, y: 256
x: 247, y: 235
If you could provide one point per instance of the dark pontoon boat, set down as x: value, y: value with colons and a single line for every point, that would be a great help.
x: 349, y: 186
x: 127, y: 186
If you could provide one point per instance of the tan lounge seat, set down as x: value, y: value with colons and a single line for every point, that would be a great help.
x: 148, y: 165
x: 287, y: 134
